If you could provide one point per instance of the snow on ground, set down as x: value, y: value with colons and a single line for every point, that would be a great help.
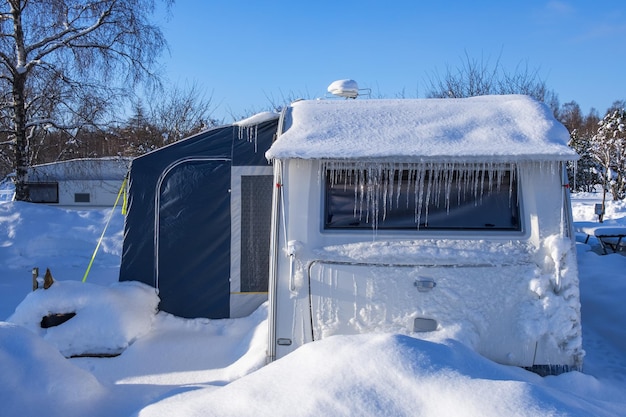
x: 180, y: 367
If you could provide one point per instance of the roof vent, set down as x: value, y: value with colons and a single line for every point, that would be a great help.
x: 344, y: 88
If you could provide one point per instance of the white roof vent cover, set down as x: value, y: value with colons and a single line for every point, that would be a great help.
x: 344, y: 88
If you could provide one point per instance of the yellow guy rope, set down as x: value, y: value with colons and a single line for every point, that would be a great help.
x: 119, y: 194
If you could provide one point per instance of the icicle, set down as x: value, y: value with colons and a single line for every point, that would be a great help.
x: 249, y: 133
x: 419, y: 194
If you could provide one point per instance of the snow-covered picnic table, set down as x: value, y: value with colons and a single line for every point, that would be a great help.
x: 609, y: 237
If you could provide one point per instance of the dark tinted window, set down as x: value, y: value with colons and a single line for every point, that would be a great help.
x: 82, y: 197
x: 43, y: 192
x: 256, y: 210
x: 468, y: 199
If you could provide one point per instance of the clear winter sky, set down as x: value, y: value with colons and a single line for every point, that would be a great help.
x: 250, y: 54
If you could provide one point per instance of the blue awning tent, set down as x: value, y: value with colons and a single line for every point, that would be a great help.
x: 197, y: 227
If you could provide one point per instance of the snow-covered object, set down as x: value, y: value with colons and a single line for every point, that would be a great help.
x: 493, y: 128
x: 432, y: 218
x: 129, y: 308
x: 344, y: 88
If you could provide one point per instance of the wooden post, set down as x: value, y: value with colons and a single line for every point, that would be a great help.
x: 35, y: 275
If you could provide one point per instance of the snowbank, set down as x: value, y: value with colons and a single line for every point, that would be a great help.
x: 37, y: 380
x: 382, y: 375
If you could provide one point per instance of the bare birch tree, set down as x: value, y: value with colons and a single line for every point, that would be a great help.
x: 185, y: 110
x: 64, y: 63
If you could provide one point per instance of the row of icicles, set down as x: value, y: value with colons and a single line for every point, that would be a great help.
x: 378, y: 186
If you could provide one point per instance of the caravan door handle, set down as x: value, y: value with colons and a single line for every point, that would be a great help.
x: 292, y: 247
x: 292, y: 263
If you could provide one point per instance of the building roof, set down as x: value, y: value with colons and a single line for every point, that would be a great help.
x: 108, y: 168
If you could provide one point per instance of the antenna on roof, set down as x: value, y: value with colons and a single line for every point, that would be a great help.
x: 346, y: 89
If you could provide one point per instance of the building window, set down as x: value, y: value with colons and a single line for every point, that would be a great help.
x: 422, y: 197
x: 82, y: 197
x: 43, y: 192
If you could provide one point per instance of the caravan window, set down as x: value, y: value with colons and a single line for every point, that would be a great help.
x: 422, y: 198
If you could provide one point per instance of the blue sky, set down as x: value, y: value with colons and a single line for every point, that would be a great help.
x: 250, y: 54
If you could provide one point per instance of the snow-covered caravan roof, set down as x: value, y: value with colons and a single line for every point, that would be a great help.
x: 503, y: 128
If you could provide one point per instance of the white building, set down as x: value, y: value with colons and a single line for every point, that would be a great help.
x: 88, y: 182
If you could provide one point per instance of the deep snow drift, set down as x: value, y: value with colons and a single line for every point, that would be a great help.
x: 179, y: 367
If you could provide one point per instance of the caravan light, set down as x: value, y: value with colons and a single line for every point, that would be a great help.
x: 425, y: 284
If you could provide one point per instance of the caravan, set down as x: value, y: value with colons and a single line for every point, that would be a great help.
x: 437, y: 218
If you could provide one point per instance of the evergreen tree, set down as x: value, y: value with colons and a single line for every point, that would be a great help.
x: 583, y: 174
x: 141, y: 135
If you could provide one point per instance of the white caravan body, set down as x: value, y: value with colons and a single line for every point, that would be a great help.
x: 435, y: 218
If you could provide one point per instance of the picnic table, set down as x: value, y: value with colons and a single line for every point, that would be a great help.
x: 610, y: 237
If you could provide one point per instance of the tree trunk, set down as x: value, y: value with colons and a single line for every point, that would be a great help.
x: 20, y: 162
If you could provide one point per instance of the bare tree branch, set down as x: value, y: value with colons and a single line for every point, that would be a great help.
x: 67, y: 64
x: 475, y: 77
